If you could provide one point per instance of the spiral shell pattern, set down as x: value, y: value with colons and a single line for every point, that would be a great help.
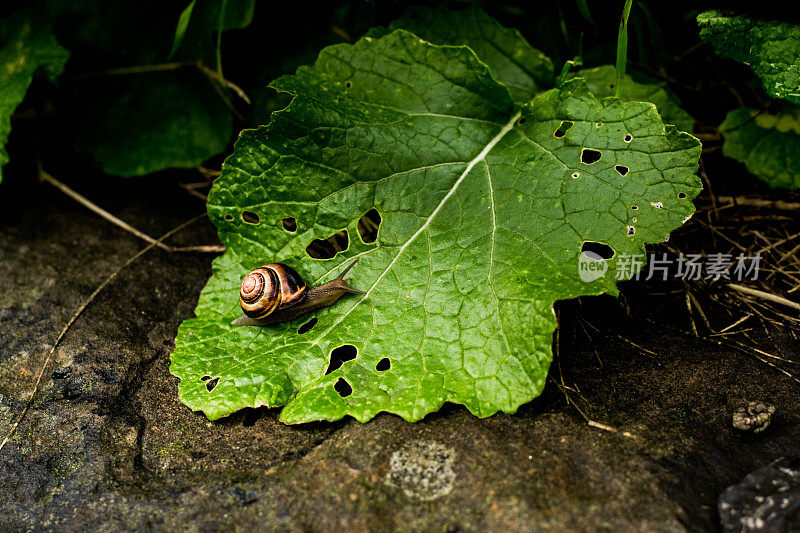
x: 260, y: 293
x: 270, y: 287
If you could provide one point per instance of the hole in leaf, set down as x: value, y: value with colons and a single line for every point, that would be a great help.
x: 343, y: 388
x: 522, y: 121
x: 383, y: 365
x: 348, y: 84
x: 368, y: 226
x: 604, y: 251
x: 634, y: 207
x: 590, y: 156
x: 327, y: 248
x: 289, y: 224
x: 562, y: 128
x: 305, y: 328
x: 250, y: 217
x: 205, y: 378
x: 228, y: 217
x: 631, y: 231
x: 628, y: 138
x: 346, y: 352
x: 682, y: 195
x: 657, y: 205
x: 622, y: 169
x: 576, y: 175
x: 598, y: 125
x: 212, y: 384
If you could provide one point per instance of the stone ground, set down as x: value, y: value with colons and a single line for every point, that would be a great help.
x: 108, y: 446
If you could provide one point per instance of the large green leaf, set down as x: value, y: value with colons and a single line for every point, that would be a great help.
x: 25, y: 50
x: 523, y: 69
x: 601, y: 80
x: 771, y: 49
x: 484, y: 213
x: 767, y: 143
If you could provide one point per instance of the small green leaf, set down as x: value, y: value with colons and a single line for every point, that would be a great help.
x: 27, y: 49
x: 771, y: 49
x: 768, y: 144
x: 622, y: 47
x: 601, y: 81
x: 523, y: 69
x: 583, y: 7
x: 484, y: 213
x: 199, y: 40
x: 149, y: 122
x: 180, y: 31
x: 140, y: 123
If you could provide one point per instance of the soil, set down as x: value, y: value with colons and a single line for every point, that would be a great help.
x: 107, y: 445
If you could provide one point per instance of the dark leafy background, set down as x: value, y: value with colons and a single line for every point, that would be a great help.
x: 99, y: 38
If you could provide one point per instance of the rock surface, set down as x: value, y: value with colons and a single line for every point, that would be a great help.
x: 767, y: 500
x: 107, y: 445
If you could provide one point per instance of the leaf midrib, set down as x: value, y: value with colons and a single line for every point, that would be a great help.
x: 480, y: 157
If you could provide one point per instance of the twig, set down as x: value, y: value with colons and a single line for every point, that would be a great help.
x: 164, y: 67
x: 747, y: 350
x: 689, y: 310
x: 80, y: 310
x: 789, y: 254
x: 623, y: 340
x: 224, y: 81
x: 341, y: 33
x: 759, y: 202
x: 764, y: 295
x: 707, y: 137
x: 700, y: 310
x: 589, y: 421
x: 723, y: 330
x: 122, y: 224
x: 612, y: 429
x: 140, y: 69
x: 209, y: 173
x: 718, y: 232
x: 776, y: 243
x: 191, y: 188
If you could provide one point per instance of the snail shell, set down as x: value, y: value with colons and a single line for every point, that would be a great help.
x: 275, y: 293
x: 271, y: 287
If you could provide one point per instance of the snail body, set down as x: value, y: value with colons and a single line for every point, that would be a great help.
x: 276, y: 293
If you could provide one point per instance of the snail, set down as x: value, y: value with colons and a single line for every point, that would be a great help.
x: 276, y: 293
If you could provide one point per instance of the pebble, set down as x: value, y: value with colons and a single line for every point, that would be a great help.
x: 753, y: 416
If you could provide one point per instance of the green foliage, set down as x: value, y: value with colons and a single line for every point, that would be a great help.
x: 183, y: 24
x: 771, y: 49
x: 602, y: 81
x: 512, y: 61
x: 768, y: 144
x: 25, y: 49
x: 151, y: 121
x: 150, y: 118
x: 485, y: 207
